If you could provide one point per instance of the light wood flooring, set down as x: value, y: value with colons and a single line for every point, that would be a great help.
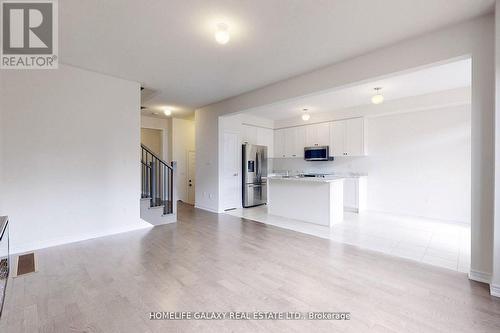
x: 211, y: 262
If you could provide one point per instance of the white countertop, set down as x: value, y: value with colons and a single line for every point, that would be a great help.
x: 307, y: 179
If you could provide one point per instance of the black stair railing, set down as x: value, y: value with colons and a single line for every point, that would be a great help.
x: 157, y: 180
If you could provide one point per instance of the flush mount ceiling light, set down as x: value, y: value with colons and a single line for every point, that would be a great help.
x: 167, y: 112
x: 305, y: 116
x: 378, y: 98
x: 222, y: 34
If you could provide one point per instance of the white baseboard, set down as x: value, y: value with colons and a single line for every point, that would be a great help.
x: 351, y: 209
x: 206, y: 208
x: 480, y: 276
x: 495, y: 290
x: 27, y: 247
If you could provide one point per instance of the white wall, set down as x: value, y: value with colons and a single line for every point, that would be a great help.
x: 70, y: 156
x: 419, y: 163
x: 474, y: 38
x: 495, y: 285
x: 183, y: 141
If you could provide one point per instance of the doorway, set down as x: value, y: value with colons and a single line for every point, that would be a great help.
x: 231, y: 196
x: 153, y: 139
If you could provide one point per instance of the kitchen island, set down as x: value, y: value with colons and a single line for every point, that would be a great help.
x: 314, y: 200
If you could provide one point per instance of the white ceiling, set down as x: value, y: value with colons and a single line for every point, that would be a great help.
x: 433, y: 79
x: 168, y: 46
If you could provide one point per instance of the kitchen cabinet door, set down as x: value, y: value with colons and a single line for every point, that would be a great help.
x: 317, y: 135
x: 323, y: 134
x: 289, y: 138
x: 265, y: 138
x: 279, y: 143
x: 351, y: 186
x: 354, y: 137
x: 249, y: 134
x: 300, y: 141
x: 337, y: 138
x: 310, y: 135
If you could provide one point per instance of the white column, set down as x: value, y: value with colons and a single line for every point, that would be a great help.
x: 495, y: 279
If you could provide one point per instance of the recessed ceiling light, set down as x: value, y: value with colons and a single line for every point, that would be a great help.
x: 222, y: 34
x: 167, y: 112
x: 378, y: 98
x: 305, y: 116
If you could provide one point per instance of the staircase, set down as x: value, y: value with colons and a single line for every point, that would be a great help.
x: 157, y: 189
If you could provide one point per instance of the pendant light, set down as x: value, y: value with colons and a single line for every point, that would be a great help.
x: 222, y: 34
x: 378, y: 98
x: 305, y: 116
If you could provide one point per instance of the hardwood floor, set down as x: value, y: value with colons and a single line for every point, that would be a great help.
x: 210, y: 262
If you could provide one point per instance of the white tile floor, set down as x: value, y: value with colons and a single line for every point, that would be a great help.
x: 429, y: 241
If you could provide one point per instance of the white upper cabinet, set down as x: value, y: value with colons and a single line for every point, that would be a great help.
x: 258, y: 136
x: 289, y: 138
x: 249, y: 134
x: 317, y: 135
x: 300, y: 141
x: 265, y: 137
x: 347, y: 137
x: 337, y: 138
x: 290, y: 142
x: 279, y: 143
x: 355, y: 138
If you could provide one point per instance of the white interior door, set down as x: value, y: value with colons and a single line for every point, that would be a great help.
x: 231, y: 190
x: 191, y: 177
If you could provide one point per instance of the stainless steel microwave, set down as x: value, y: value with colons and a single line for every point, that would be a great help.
x: 318, y: 153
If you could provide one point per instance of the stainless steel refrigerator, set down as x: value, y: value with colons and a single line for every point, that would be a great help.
x: 254, y: 175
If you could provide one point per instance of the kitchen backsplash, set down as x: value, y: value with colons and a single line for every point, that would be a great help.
x: 298, y: 165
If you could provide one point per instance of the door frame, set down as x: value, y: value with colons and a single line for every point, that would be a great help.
x: 164, y: 142
x: 187, y: 177
x: 239, y: 157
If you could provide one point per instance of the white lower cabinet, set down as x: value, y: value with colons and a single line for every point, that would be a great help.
x: 355, y: 194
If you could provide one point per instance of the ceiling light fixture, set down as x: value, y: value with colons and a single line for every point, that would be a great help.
x: 378, y: 98
x: 305, y: 116
x: 167, y: 112
x: 222, y: 34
